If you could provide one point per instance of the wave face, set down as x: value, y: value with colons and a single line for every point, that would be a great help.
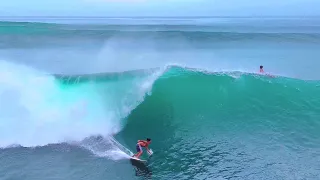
x: 229, y: 125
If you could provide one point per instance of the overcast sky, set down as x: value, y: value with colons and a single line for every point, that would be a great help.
x: 160, y: 7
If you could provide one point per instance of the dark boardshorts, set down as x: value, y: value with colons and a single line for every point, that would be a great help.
x: 138, y: 147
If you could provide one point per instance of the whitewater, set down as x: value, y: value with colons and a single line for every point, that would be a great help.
x: 76, y: 95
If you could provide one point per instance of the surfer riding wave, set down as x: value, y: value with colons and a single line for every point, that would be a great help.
x: 140, y: 144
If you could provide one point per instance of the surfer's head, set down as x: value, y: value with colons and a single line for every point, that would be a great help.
x: 261, y: 67
x: 149, y: 140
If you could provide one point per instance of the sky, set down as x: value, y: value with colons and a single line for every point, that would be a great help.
x: 160, y: 8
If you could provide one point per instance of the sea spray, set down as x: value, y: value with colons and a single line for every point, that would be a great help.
x: 38, y: 109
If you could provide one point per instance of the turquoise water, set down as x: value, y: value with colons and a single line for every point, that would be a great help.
x: 191, y: 86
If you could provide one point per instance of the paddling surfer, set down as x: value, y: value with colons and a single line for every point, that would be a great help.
x: 261, y: 69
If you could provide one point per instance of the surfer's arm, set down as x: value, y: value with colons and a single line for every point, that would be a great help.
x: 148, y: 149
x: 142, y: 141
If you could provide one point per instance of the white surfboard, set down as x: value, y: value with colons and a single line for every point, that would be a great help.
x: 134, y: 158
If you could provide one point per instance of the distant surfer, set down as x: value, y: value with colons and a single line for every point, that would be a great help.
x: 262, y: 72
x: 140, y: 144
x: 261, y: 69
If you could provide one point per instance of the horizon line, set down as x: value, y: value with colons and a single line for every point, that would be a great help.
x: 140, y: 16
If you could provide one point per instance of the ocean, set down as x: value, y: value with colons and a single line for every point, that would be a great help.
x: 76, y: 93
